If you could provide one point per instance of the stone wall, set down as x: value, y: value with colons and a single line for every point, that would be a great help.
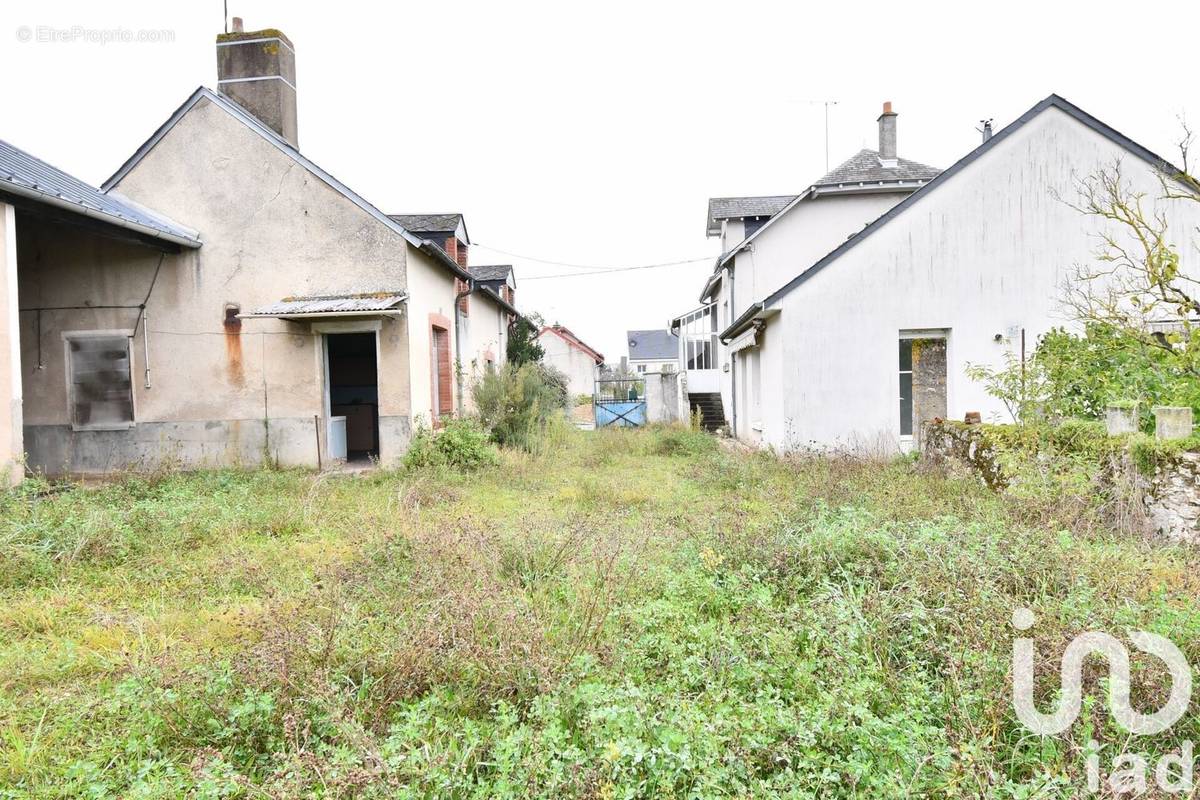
x: 964, y: 444
x: 666, y: 397
x: 1173, y: 499
x: 1169, y: 488
x: 929, y: 383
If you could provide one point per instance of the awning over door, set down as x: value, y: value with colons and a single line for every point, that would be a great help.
x: 375, y: 304
x: 746, y: 339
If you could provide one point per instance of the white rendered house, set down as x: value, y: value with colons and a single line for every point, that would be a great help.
x: 854, y: 342
x: 568, y: 353
x: 764, y: 241
x: 652, y: 351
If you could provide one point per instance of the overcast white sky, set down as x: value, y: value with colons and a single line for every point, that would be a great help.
x: 593, y: 134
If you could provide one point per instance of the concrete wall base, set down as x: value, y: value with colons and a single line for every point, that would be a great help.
x: 666, y: 397
x: 288, y: 442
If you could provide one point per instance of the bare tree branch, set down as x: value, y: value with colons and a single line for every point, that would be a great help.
x: 1135, y: 283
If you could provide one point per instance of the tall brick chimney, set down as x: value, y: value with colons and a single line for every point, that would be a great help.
x: 257, y: 70
x: 887, y: 133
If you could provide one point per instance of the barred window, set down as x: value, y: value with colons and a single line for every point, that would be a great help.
x: 99, y: 379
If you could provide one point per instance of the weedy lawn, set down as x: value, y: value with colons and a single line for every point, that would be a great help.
x: 627, y: 614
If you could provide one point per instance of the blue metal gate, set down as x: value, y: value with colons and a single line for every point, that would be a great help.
x: 620, y: 402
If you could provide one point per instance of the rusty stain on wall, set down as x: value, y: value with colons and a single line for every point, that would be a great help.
x: 233, y: 344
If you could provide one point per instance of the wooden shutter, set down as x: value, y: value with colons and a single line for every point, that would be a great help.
x: 442, y: 372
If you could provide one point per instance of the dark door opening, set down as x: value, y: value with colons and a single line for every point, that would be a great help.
x: 354, y: 390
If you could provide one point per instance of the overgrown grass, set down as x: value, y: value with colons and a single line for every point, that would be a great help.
x: 621, y: 614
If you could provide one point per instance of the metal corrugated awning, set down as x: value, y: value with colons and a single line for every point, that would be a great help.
x: 375, y: 304
x: 746, y: 339
x: 30, y: 178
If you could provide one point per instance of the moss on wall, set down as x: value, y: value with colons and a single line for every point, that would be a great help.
x: 265, y: 33
x: 984, y: 447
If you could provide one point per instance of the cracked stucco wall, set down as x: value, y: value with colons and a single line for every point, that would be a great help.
x: 271, y: 230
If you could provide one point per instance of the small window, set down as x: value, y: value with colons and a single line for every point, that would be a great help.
x: 641, y: 367
x: 100, y: 380
x: 906, y: 388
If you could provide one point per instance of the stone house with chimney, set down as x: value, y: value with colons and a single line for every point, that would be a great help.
x: 223, y: 300
x: 845, y: 315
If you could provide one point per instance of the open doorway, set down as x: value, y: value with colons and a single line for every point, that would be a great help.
x: 354, y: 390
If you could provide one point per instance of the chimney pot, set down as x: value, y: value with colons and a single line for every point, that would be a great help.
x: 887, y: 135
x: 257, y: 70
x: 887, y: 104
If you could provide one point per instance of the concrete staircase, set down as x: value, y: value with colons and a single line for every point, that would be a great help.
x: 712, y: 412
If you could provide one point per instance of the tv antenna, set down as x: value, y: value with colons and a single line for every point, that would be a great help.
x: 827, y: 104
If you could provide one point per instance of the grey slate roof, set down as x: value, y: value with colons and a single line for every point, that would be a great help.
x: 333, y: 305
x: 720, y: 208
x: 429, y: 223
x: 28, y: 176
x: 864, y: 172
x: 495, y: 297
x: 866, y: 167
x: 490, y: 272
x: 657, y: 344
x: 863, y: 167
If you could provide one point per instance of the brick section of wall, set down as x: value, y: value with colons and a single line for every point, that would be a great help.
x: 464, y: 302
x: 458, y: 251
x: 929, y: 383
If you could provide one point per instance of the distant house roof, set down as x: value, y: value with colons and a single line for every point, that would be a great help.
x: 720, y: 208
x: 866, y: 167
x: 755, y: 310
x: 283, y: 145
x: 864, y: 172
x: 660, y: 345
x: 26, y: 176
x: 491, y: 272
x: 431, y: 223
x: 331, y: 305
x: 573, y: 340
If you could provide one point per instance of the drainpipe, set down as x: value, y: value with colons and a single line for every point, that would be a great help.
x: 728, y: 281
x: 458, y: 378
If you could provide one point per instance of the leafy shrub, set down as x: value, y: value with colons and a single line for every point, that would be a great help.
x: 514, y: 403
x: 1021, y: 386
x: 1071, y: 376
x: 1106, y: 367
x: 461, y: 444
